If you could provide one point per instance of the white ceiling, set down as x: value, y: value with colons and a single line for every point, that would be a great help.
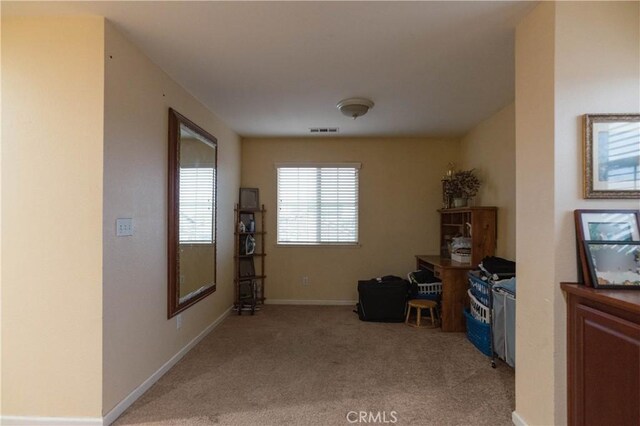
x: 279, y: 68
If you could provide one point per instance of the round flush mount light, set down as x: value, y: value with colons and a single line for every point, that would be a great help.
x: 354, y: 107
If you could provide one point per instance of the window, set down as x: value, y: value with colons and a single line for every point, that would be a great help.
x: 318, y: 204
x: 619, y: 155
x: 196, y: 205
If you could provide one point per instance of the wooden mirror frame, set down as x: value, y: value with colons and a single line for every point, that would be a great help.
x: 175, y: 121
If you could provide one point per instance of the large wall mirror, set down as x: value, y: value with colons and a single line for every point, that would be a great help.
x: 192, y: 213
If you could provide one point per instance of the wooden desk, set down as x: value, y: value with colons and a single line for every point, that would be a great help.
x: 454, y: 288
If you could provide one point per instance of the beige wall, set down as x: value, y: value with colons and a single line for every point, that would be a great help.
x: 1, y: 275
x: 490, y: 149
x: 535, y: 325
x: 572, y: 58
x: 138, y: 338
x: 597, y: 70
x: 52, y: 133
x: 399, y: 194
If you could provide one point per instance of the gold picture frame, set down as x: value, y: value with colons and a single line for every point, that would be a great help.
x: 611, y: 156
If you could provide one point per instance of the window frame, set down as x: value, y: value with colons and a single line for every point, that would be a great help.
x: 345, y: 165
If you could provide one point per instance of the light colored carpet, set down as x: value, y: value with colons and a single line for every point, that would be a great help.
x: 312, y: 365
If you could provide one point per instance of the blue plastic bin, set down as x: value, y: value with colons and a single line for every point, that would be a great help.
x: 478, y: 333
x: 479, y: 288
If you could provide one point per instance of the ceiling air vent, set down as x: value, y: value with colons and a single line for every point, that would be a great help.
x: 324, y: 130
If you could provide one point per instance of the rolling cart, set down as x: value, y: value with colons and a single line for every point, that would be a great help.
x: 503, y: 320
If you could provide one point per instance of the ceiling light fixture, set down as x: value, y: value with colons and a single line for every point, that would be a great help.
x: 354, y: 107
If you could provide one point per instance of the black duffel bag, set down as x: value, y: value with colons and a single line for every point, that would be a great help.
x: 382, y: 299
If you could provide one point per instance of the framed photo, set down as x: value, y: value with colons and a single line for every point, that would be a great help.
x: 611, y: 156
x: 614, y: 264
x: 246, y: 289
x: 247, y: 269
x: 603, y: 225
x: 249, y: 199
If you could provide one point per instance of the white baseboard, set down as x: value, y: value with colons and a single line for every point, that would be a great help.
x: 310, y: 302
x: 517, y: 420
x: 120, y: 408
x: 50, y: 421
x: 122, y: 405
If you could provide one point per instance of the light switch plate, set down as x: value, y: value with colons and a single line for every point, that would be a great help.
x: 124, y: 227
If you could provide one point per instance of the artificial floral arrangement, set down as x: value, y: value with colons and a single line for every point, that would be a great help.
x: 462, y: 184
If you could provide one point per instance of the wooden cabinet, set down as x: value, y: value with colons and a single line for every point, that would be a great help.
x: 603, y: 356
x: 478, y: 223
x: 249, y: 259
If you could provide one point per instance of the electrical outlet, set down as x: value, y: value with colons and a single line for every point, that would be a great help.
x: 124, y: 227
x: 305, y: 280
x: 178, y: 321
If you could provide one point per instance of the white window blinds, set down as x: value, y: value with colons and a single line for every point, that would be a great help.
x: 197, y: 186
x: 318, y: 204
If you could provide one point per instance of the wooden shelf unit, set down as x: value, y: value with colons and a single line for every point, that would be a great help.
x: 257, y: 259
x: 242, y: 256
x: 478, y: 223
x: 453, y: 223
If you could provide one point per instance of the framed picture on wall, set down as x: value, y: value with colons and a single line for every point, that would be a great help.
x: 614, y: 264
x: 611, y: 156
x: 603, y: 225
